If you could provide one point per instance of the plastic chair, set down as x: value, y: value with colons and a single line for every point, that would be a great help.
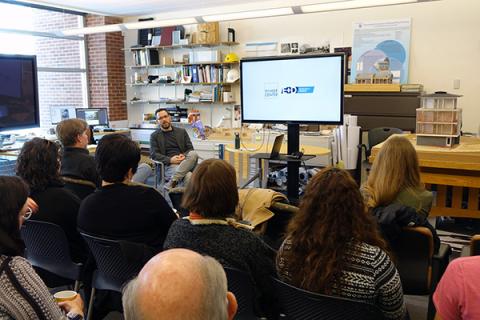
x: 300, y: 304
x: 117, y: 262
x: 241, y: 285
x: 81, y: 188
x: 47, y: 249
x: 419, y: 267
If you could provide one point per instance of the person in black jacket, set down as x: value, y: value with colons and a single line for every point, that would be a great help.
x: 76, y: 161
x: 172, y: 147
x: 39, y: 165
x: 118, y: 210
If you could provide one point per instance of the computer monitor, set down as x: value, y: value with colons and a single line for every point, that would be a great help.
x: 93, y: 116
x: 293, y: 89
x: 19, y: 106
x: 59, y: 113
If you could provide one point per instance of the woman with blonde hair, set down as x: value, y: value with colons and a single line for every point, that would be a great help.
x: 333, y: 247
x: 395, y: 178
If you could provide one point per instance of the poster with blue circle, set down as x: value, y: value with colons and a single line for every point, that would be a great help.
x: 380, y: 52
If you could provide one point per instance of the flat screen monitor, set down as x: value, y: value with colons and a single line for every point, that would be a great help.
x: 93, y: 116
x: 18, y: 92
x: 293, y: 89
x: 58, y: 114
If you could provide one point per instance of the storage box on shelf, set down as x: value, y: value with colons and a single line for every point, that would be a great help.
x: 185, y: 75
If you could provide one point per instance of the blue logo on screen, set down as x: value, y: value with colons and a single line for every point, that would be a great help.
x: 298, y: 90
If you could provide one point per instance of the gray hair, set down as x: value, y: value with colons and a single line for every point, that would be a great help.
x: 213, y: 303
x: 214, y: 296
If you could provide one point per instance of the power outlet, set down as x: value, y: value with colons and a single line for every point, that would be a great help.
x: 456, y: 84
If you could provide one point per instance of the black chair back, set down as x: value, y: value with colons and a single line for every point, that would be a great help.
x: 299, y: 304
x: 47, y: 248
x: 378, y: 135
x: 81, y: 188
x: 414, y: 252
x: 241, y: 285
x: 176, y: 195
x: 117, y: 261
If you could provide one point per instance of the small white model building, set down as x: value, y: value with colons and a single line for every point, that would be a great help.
x: 439, y: 120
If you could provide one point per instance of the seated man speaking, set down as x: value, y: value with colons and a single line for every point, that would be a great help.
x: 172, y: 146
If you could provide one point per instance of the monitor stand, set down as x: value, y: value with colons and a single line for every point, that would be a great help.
x: 293, y: 145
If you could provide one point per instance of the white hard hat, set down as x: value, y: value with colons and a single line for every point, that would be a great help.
x: 233, y: 75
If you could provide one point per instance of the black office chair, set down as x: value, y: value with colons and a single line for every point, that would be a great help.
x: 276, y: 226
x: 176, y: 195
x: 375, y: 136
x: 81, y: 188
x: 47, y: 249
x: 241, y: 285
x: 419, y: 267
x: 300, y: 304
x: 117, y: 262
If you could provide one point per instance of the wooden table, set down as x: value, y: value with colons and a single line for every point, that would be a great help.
x: 453, y: 172
x: 247, y: 167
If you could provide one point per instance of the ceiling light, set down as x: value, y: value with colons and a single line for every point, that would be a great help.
x: 352, y: 4
x: 90, y: 30
x: 249, y: 14
x: 158, y: 23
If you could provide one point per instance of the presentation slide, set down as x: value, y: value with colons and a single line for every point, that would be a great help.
x: 296, y: 90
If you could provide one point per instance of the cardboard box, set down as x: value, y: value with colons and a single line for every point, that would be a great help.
x: 208, y: 32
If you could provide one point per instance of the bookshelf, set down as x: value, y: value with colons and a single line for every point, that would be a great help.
x: 192, y: 77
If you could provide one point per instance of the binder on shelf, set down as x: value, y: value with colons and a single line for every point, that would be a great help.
x: 194, y: 74
x: 166, y: 38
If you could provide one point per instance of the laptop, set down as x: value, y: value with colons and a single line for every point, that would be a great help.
x: 277, y: 145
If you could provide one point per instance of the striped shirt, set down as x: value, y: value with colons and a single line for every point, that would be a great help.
x: 12, y: 303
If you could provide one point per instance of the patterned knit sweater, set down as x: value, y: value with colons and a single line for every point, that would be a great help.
x: 369, y: 276
x: 12, y: 303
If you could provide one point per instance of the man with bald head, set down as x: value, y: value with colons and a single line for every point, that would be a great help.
x: 179, y: 284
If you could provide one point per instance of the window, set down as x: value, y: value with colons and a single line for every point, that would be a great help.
x: 61, y: 61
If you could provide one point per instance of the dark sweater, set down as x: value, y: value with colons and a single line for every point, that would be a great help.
x: 232, y: 247
x: 127, y: 212
x: 79, y: 164
x: 60, y: 206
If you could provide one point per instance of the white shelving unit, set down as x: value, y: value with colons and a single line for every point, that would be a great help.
x: 144, y: 96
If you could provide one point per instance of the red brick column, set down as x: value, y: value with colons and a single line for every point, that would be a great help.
x: 106, y: 60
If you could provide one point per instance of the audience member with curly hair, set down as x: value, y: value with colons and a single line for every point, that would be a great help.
x: 333, y: 247
x: 39, y: 165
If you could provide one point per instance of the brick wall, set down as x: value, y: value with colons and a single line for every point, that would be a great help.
x: 56, y: 88
x: 106, y: 68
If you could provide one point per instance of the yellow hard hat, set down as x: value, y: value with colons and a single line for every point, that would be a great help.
x: 231, y: 57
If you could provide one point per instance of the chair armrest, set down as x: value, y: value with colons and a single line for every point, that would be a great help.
x: 440, y: 262
x: 466, y: 250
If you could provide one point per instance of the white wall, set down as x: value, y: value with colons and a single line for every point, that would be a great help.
x: 445, y: 42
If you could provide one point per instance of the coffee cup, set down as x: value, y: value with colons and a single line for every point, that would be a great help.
x: 65, y: 295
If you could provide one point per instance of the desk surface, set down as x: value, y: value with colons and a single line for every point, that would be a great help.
x: 465, y: 156
x: 254, y: 148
